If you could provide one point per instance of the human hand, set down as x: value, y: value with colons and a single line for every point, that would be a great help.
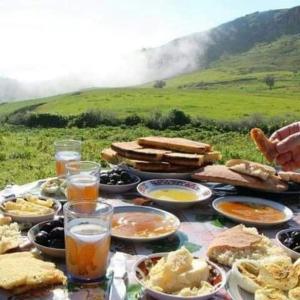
x: 288, y: 146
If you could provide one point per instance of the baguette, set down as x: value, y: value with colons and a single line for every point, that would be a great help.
x: 175, y: 144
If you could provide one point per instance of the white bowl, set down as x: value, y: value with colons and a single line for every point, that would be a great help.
x: 164, y: 296
x: 293, y: 254
x: 122, y: 188
x: 34, y: 219
x: 55, y: 252
x: 146, y: 187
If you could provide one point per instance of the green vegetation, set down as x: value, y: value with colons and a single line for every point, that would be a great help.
x: 28, y: 154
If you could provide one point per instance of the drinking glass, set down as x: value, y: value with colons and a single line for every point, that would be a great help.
x: 82, y: 181
x: 87, y: 239
x: 66, y: 151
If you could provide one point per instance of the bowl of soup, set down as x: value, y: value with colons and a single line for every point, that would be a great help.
x: 174, y: 193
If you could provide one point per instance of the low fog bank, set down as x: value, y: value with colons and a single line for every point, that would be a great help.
x: 178, y: 56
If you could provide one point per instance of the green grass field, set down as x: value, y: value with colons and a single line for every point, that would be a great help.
x: 28, y: 154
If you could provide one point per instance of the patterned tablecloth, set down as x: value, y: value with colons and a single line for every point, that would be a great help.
x: 199, y: 225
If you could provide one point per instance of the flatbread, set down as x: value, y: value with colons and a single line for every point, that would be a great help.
x: 184, y: 159
x: 176, y: 144
x: 223, y: 174
x: 254, y: 169
x: 289, y: 176
x: 21, y: 271
x: 266, y: 147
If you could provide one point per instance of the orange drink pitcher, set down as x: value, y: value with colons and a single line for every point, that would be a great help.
x: 87, y: 239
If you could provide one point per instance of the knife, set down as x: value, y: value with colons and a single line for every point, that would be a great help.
x: 119, y: 277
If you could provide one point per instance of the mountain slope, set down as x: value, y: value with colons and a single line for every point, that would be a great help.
x: 201, y: 49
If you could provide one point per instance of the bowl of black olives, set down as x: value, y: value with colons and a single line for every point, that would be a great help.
x: 49, y: 237
x: 289, y: 240
x: 117, y: 180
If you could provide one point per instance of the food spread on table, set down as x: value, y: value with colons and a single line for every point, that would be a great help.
x: 179, y: 273
x: 161, y: 154
x: 258, y: 265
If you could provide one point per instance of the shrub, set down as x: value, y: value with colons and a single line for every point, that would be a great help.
x: 94, y: 118
x: 133, y: 120
x: 270, y: 81
x: 159, y: 84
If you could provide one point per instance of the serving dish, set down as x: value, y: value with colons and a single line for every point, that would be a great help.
x: 149, y: 210
x: 55, y: 252
x: 293, y: 254
x: 201, y: 192
x: 253, y: 202
x: 116, y: 189
x: 140, y: 271
x: 235, y: 291
x: 33, y: 219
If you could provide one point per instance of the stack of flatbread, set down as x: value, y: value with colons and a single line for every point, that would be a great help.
x: 162, y: 154
x: 243, y: 173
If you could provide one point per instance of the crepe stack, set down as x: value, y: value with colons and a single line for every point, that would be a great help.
x: 20, y: 272
x: 243, y: 173
x: 162, y: 154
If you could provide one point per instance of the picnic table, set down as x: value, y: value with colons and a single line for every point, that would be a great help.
x: 199, y: 225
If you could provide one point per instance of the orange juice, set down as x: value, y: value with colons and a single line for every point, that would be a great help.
x: 82, y: 187
x: 64, y: 157
x: 87, y: 250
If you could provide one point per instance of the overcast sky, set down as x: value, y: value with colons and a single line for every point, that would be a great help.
x: 46, y: 39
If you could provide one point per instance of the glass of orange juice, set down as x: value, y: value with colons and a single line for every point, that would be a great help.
x: 66, y: 151
x: 82, y: 181
x: 87, y: 239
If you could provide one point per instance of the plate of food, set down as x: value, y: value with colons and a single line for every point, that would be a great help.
x: 142, y: 224
x: 251, y: 210
x: 289, y: 240
x: 55, y: 188
x: 275, y: 277
x: 30, y: 208
x: 49, y: 237
x: 174, y: 193
x: 178, y: 275
x: 117, y: 180
x: 161, y: 157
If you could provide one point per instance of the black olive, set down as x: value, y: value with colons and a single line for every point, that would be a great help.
x: 125, y: 176
x: 42, y: 238
x: 58, y: 243
x: 283, y: 236
x: 61, y: 220
x: 112, y: 181
x: 120, y: 182
x: 288, y: 242
x: 295, y: 235
x: 115, y: 177
x: 104, y: 179
x: 55, y: 223
x: 118, y: 171
x: 47, y: 227
x: 57, y: 233
x: 297, y: 249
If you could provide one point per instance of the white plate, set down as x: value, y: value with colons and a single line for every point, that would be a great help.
x: 236, y: 292
x: 146, y: 209
x: 163, y: 296
x: 34, y: 219
x: 203, y: 192
x: 251, y: 200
